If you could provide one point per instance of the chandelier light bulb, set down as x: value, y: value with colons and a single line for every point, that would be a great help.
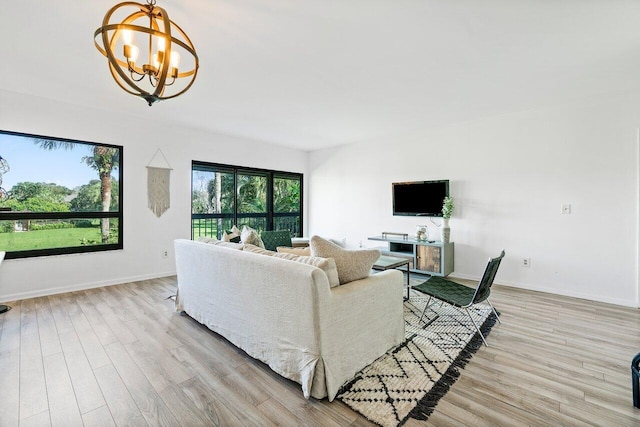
x: 175, y: 59
x: 161, y: 44
x: 127, y: 37
x: 134, y: 53
x: 156, y: 61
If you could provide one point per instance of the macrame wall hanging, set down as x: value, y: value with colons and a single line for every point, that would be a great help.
x: 158, y: 183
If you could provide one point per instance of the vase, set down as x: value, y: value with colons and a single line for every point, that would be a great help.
x: 445, y: 230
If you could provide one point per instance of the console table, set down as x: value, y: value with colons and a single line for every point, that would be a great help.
x: 434, y: 258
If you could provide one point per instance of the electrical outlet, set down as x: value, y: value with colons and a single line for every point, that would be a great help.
x: 165, y: 254
x: 526, y: 262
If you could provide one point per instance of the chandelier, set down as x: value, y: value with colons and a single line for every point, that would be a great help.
x: 157, y: 74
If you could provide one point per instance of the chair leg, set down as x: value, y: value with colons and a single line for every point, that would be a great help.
x: 494, y: 311
x: 425, y: 309
x: 476, y: 325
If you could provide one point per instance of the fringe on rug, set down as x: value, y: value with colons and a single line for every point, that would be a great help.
x: 427, y: 404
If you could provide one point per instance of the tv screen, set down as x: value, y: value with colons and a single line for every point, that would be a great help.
x: 422, y: 198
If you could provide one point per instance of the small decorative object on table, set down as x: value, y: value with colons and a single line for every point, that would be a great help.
x: 447, y: 210
x: 422, y: 232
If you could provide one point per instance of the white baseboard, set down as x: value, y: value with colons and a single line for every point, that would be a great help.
x: 80, y: 287
x: 554, y: 291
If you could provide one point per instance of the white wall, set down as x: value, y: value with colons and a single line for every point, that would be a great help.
x: 509, y: 176
x: 145, y: 235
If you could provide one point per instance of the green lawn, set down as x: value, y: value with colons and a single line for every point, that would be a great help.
x: 48, y: 239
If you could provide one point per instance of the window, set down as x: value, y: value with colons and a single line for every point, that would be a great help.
x: 58, y: 196
x: 224, y: 195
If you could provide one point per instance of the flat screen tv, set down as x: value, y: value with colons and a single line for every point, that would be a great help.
x: 420, y: 198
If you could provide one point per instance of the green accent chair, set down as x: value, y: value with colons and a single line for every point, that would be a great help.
x: 462, y: 296
x: 273, y: 239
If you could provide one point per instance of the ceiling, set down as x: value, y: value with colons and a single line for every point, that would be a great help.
x: 311, y: 74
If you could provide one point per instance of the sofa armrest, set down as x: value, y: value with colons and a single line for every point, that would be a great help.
x: 360, y: 321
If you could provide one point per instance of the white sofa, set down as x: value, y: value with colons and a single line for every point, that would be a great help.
x: 285, y: 314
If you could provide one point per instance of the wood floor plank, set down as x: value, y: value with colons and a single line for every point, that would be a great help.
x: 148, y: 401
x: 162, y: 356
x: 49, y: 340
x: 11, y: 329
x: 211, y: 359
x: 63, y: 407
x: 123, y: 408
x: 33, y: 390
x: 10, y: 387
x: 207, y: 381
x: 529, y: 403
x: 437, y: 419
x: 182, y: 407
x: 95, y: 319
x: 150, y: 366
x: 199, y: 337
x: 38, y: 420
x: 115, y: 302
x: 88, y: 393
x: 491, y: 412
x: 100, y: 417
x: 289, y: 394
x: 59, y: 312
x: 90, y: 342
x: 205, y: 401
x: 123, y: 334
x: 597, y: 415
x: 28, y: 317
x: 277, y: 413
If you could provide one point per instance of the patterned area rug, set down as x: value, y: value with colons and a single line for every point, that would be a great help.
x: 408, y: 381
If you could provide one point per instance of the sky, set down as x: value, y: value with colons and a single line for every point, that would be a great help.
x: 28, y: 162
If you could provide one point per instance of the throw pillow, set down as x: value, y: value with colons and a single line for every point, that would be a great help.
x: 352, y: 264
x: 257, y: 250
x: 231, y: 236
x: 327, y: 265
x: 251, y: 237
x: 229, y: 245
x: 210, y: 240
x: 296, y: 251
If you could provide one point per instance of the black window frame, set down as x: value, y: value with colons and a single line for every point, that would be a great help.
x: 270, y: 215
x: 119, y: 215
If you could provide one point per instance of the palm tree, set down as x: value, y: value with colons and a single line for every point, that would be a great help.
x: 103, y: 160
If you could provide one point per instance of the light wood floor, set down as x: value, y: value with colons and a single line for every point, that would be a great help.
x: 120, y: 355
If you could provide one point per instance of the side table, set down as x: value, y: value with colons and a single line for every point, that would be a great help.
x: 300, y: 242
x: 388, y: 262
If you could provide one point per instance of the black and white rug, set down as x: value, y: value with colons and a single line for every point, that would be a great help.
x: 408, y: 381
